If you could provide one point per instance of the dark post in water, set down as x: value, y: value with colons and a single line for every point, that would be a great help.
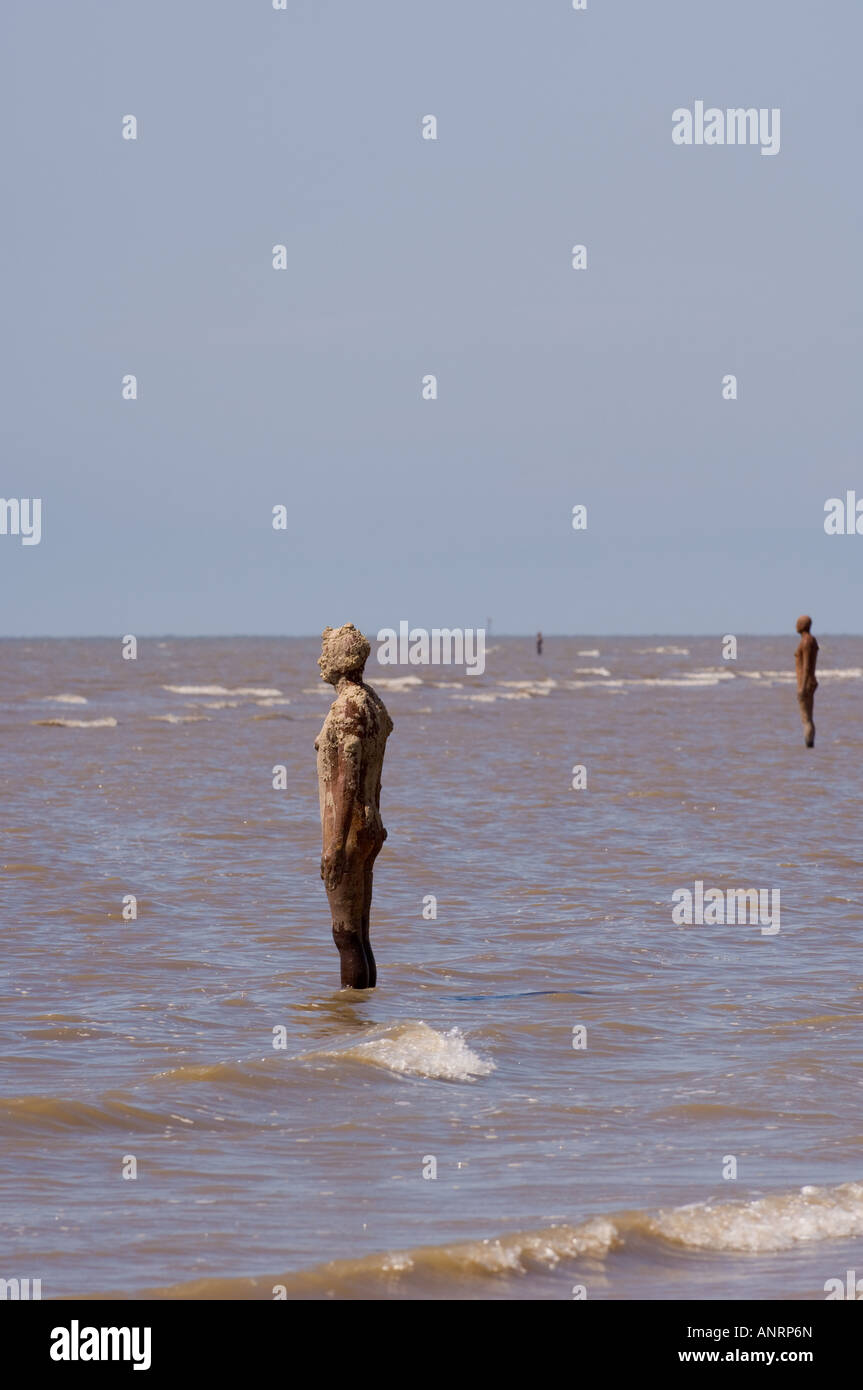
x: 805, y: 658
x: 350, y: 750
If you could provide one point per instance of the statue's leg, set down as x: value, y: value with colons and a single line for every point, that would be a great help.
x: 367, y: 907
x: 807, y: 709
x: 347, y: 904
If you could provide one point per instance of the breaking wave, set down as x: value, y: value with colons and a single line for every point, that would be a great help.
x: 179, y: 718
x: 261, y: 691
x: 413, y: 1049
x: 761, y: 1226
x: 397, y: 682
x: 109, y: 722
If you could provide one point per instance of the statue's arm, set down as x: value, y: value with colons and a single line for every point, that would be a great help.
x: 808, y: 666
x: 345, y: 791
x: 351, y: 757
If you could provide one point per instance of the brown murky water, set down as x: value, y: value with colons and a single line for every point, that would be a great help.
x: 557, y: 1167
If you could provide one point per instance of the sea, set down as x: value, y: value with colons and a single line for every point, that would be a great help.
x: 556, y: 1091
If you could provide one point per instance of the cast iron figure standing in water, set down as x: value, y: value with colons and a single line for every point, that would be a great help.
x: 805, y: 658
x: 350, y: 750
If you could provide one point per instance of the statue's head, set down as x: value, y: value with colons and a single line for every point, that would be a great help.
x: 804, y: 623
x: 344, y: 652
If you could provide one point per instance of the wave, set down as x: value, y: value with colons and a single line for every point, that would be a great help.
x: 761, y: 1226
x: 654, y: 682
x: 511, y: 690
x: 413, y: 1049
x: 53, y: 1115
x: 179, y: 718
x: 397, y: 682
x: 591, y: 671
x: 489, y: 699
x: 836, y: 673
x: 547, y: 682
x: 109, y: 722
x: 664, y: 651
x: 65, y: 699
x: 252, y: 690
x: 592, y: 652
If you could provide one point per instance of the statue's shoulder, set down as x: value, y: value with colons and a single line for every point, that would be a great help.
x: 376, y: 708
x: 347, y: 713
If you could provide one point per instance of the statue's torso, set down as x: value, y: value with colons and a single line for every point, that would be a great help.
x: 805, y: 656
x: 356, y: 713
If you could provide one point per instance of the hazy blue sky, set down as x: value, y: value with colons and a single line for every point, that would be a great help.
x: 408, y: 257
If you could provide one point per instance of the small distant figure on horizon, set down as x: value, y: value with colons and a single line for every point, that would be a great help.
x: 539, y: 644
x: 805, y: 658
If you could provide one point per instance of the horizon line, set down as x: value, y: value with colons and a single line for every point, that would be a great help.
x: 309, y: 636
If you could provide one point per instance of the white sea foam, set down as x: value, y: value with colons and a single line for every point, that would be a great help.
x: 653, y: 682
x: 65, y: 699
x: 592, y: 652
x: 605, y: 684
x: 591, y: 671
x: 768, y: 1223
x: 277, y: 700
x: 179, y: 718
x: 836, y: 673
x: 511, y: 690
x: 532, y: 685
x: 489, y: 697
x: 413, y: 1049
x: 397, y: 683
x: 682, y: 682
x: 664, y: 651
x: 251, y: 690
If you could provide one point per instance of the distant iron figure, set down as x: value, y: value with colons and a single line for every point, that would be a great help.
x: 539, y: 644
x: 805, y: 658
x: 350, y: 749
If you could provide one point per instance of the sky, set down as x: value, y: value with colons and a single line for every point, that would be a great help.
x: 406, y: 257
